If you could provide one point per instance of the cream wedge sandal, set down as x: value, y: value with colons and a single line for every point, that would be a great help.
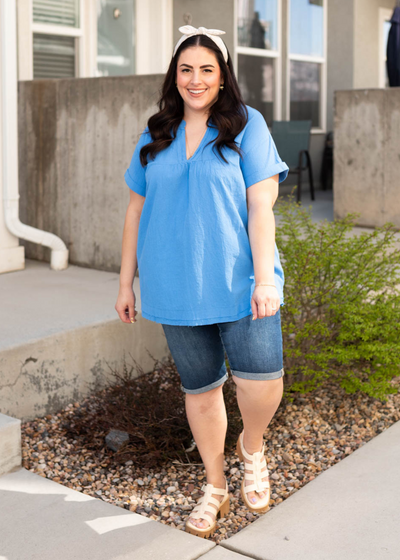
x: 204, y: 504
x: 257, y: 474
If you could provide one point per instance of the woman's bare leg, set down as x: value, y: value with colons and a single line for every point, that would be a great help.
x: 208, y: 422
x: 258, y: 400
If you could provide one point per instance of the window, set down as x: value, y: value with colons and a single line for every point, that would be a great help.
x: 307, y: 61
x: 258, y: 54
x: 56, y: 34
x: 115, y: 37
x: 53, y: 56
x: 56, y: 12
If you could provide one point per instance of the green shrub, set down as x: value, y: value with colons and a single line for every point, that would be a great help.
x: 341, y: 318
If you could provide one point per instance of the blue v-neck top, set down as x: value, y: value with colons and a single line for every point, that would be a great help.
x: 193, y: 250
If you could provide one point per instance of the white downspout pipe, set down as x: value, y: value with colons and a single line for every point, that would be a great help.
x: 9, y: 114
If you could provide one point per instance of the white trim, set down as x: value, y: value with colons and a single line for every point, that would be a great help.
x: 51, y: 29
x: 266, y: 53
x: 324, y: 74
x: 235, y: 39
x: 88, y: 49
x: 278, y: 68
x: 257, y: 52
x: 80, y: 45
x: 24, y: 40
x: 27, y: 27
x: 385, y: 14
x: 153, y: 19
x: 305, y: 58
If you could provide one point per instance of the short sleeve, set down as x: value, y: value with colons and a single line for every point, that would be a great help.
x: 135, y: 175
x: 260, y: 156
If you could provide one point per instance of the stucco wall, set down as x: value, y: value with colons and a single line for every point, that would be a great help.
x: 367, y: 155
x: 340, y: 51
x: 207, y: 13
x: 76, y: 139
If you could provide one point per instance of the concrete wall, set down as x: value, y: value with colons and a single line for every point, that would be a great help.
x: 366, y: 41
x: 43, y: 376
x: 76, y: 139
x: 367, y: 155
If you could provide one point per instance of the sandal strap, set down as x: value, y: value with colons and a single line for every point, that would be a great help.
x: 208, y: 487
x: 210, y: 500
x: 207, y: 501
x: 258, y: 466
x: 263, y: 485
x: 258, y: 463
x: 247, y: 455
x: 197, y: 515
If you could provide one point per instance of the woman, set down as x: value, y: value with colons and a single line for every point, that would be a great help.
x: 204, y: 177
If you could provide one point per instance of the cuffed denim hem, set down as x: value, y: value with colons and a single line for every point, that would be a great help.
x: 260, y: 376
x: 207, y: 387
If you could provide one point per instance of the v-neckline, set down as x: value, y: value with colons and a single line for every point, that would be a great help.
x: 183, y: 128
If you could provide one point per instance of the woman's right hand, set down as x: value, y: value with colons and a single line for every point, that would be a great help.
x: 125, y: 305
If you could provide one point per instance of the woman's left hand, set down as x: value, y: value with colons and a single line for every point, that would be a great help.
x: 263, y: 300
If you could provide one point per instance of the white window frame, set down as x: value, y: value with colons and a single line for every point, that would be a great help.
x: 156, y: 20
x: 27, y: 27
x: 385, y: 14
x: 305, y: 58
x: 266, y: 53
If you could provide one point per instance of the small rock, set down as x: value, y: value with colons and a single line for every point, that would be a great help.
x: 171, y: 489
x: 287, y: 457
x: 115, y: 439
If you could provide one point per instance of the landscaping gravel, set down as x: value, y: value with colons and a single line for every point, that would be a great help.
x: 305, y: 437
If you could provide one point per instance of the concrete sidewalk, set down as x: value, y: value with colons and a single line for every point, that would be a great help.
x: 350, y: 511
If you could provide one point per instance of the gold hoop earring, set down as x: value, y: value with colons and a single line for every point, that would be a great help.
x: 221, y: 87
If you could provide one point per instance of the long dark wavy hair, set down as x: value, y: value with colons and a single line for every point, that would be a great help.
x: 229, y: 113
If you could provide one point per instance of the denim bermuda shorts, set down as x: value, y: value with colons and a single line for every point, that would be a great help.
x: 253, y: 349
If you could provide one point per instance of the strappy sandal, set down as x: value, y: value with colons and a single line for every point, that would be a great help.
x: 255, y: 476
x: 203, y: 504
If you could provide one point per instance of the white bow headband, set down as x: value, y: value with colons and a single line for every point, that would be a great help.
x: 189, y: 31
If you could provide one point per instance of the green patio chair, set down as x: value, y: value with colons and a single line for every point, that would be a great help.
x: 292, y: 140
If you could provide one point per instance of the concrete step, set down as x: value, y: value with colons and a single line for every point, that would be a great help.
x: 10, y: 443
x: 43, y: 520
x: 349, y: 512
x: 65, y: 337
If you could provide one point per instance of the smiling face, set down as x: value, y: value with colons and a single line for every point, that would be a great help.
x: 198, y: 77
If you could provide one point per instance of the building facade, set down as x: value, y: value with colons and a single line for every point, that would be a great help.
x: 290, y: 56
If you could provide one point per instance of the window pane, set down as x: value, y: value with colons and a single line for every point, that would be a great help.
x: 56, y: 12
x: 115, y: 37
x: 306, y: 27
x: 256, y: 79
x: 257, y: 24
x: 305, y: 91
x: 53, y: 56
